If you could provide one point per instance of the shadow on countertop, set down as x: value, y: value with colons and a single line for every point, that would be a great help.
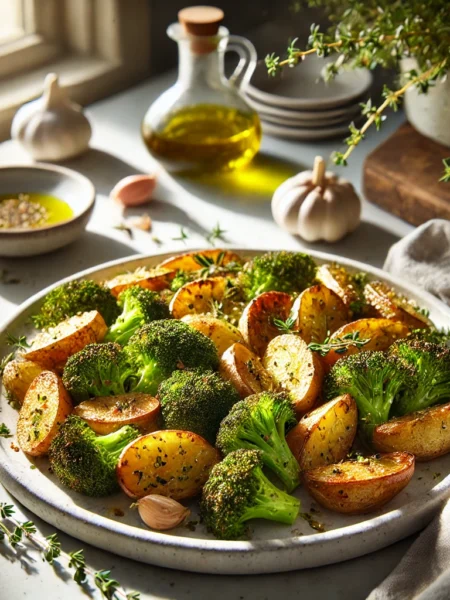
x: 37, y: 272
x: 369, y: 244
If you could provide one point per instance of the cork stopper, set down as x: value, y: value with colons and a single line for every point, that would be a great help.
x: 201, y: 20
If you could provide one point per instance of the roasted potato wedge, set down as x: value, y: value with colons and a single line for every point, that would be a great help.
x: 151, y: 279
x: 170, y: 463
x: 188, y: 262
x: 222, y: 333
x: 381, y: 334
x: 295, y: 369
x: 245, y: 371
x: 338, y: 280
x: 325, y: 435
x: 18, y: 376
x: 356, y: 487
x: 257, y: 321
x: 107, y: 414
x: 425, y: 433
x: 319, y: 311
x: 198, y: 297
x: 45, y: 406
x: 390, y: 305
x: 52, y: 348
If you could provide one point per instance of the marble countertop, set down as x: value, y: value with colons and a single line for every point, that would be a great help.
x: 240, y: 203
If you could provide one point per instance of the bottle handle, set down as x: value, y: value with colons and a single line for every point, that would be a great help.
x: 247, y: 60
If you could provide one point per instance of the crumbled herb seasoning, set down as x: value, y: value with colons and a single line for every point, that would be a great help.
x: 319, y: 527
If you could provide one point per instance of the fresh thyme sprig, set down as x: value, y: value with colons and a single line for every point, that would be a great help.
x: 20, y: 343
x: 5, y: 360
x: 446, y: 175
x: 4, y: 431
x: 340, y: 345
x: 211, y: 265
x: 217, y: 233
x: 50, y: 547
x: 286, y: 326
x: 182, y: 237
x: 371, y: 33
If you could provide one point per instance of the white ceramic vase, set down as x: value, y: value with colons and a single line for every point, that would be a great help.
x: 429, y: 113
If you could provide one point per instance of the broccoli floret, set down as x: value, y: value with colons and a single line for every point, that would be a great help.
x: 196, y: 401
x: 139, y: 306
x: 429, y: 383
x: 158, y: 349
x: 259, y: 423
x: 97, y: 370
x: 281, y: 271
x: 75, y: 297
x: 237, y: 490
x: 374, y: 380
x: 181, y: 278
x: 434, y: 336
x: 86, y: 462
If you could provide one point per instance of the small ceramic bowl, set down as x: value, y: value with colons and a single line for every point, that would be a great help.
x: 65, y: 184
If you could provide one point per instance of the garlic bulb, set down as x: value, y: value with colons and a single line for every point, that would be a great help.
x: 161, y: 512
x: 134, y: 190
x: 52, y: 127
x: 317, y: 205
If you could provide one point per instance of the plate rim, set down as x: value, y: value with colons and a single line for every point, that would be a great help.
x: 414, y: 510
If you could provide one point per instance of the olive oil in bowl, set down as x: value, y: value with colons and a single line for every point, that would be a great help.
x: 32, y: 211
x: 205, y: 137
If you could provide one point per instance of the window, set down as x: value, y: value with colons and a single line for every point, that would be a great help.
x: 96, y: 47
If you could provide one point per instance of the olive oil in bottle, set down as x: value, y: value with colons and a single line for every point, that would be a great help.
x: 205, y: 137
x: 203, y: 123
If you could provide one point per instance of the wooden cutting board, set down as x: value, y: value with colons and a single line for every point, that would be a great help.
x: 402, y: 176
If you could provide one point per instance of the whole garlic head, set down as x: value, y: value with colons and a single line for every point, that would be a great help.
x: 317, y: 205
x: 52, y: 127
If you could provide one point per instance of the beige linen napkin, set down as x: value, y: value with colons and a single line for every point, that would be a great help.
x: 423, y: 258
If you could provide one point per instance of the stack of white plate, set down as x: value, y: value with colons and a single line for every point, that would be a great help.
x: 298, y: 104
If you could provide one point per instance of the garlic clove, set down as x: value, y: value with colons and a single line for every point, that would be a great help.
x: 134, y: 190
x: 161, y: 512
x: 142, y: 222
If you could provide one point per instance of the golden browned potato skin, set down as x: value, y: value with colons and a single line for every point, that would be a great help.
x: 256, y: 323
x: 169, y: 462
x: 390, y: 305
x: 187, y: 261
x: 150, y: 279
x: 425, y: 433
x: 325, y: 435
x: 107, y: 414
x: 245, y: 370
x: 18, y: 376
x: 381, y: 334
x: 296, y: 370
x: 52, y: 349
x: 354, y: 487
x: 319, y: 311
x: 44, y: 408
x: 338, y: 280
x: 220, y: 332
x: 198, y: 297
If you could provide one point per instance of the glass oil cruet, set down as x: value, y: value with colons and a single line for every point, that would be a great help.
x: 203, y: 123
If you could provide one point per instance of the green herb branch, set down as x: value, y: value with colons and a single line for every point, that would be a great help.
x: 374, y: 114
x: 371, y: 33
x: 51, y: 550
x: 340, y: 345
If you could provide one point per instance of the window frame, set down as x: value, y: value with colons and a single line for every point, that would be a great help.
x: 97, y: 47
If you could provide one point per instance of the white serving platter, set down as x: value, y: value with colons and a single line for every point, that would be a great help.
x: 271, y: 547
